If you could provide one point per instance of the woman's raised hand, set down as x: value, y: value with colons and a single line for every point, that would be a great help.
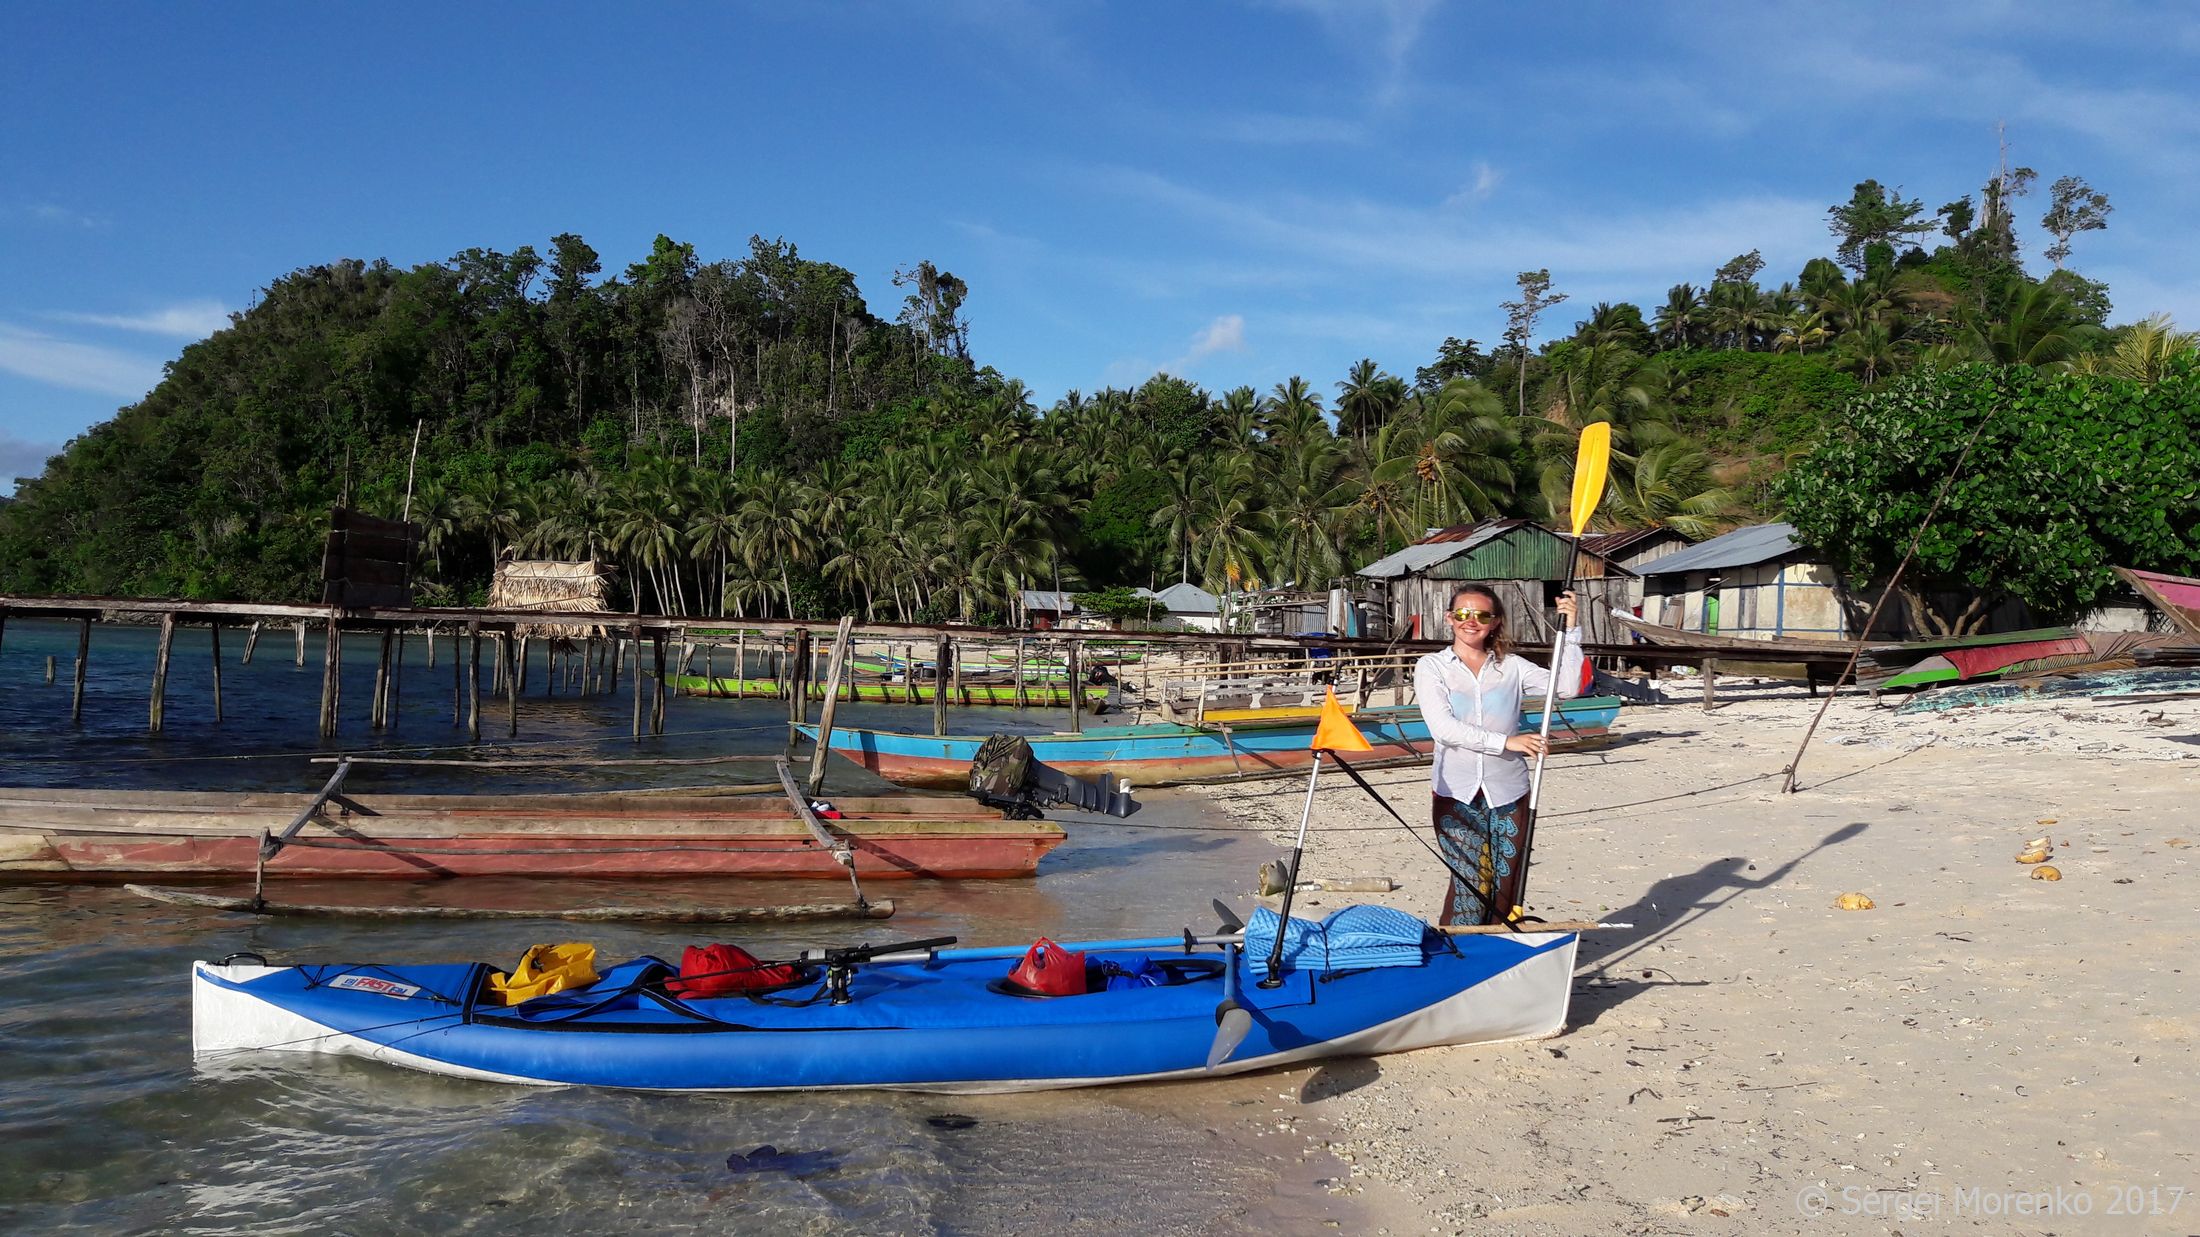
x: 1569, y: 608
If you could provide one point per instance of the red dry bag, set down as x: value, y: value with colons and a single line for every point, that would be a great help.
x: 1049, y: 969
x: 726, y: 970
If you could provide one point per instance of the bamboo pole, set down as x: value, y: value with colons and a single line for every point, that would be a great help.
x: 251, y: 642
x: 214, y: 634
x: 83, y: 656
x: 160, y: 671
x: 473, y: 682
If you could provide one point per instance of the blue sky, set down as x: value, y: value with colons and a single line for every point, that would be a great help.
x: 1233, y: 192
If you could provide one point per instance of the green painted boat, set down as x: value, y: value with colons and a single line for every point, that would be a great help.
x: 1036, y: 695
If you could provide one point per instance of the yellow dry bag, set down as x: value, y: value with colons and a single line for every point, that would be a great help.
x: 545, y: 969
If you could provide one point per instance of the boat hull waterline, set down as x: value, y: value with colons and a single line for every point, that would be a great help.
x: 911, y: 1026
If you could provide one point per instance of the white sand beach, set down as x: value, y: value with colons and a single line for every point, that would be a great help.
x: 1982, y: 1051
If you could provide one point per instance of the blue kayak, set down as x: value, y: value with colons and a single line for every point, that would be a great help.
x: 929, y: 1020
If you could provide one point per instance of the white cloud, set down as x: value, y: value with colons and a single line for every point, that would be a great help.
x: 1485, y: 182
x: 53, y: 214
x: 22, y: 459
x: 80, y: 367
x: 1354, y: 233
x: 1224, y: 334
x: 184, y: 320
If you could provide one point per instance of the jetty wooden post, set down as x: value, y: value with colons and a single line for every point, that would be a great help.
x: 945, y: 650
x: 952, y: 674
x: 1710, y: 676
x: 430, y: 633
x: 657, y: 692
x: 473, y: 682
x: 83, y: 655
x: 4, y: 628
x: 550, y: 667
x: 1023, y: 698
x: 381, y: 697
x: 332, y: 675
x: 833, y: 671
x: 213, y: 634
x: 458, y: 680
x: 160, y: 670
x: 49, y: 668
x: 390, y: 709
x: 740, y: 664
x: 301, y: 632
x: 1076, y: 689
x: 251, y: 641
x: 511, y: 692
x: 522, y: 665
x: 636, y: 640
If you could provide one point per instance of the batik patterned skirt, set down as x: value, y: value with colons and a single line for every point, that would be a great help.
x: 1481, y: 846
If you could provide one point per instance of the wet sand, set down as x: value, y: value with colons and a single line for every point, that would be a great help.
x: 1982, y: 1051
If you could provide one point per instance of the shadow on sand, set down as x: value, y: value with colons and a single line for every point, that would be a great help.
x: 1606, y: 980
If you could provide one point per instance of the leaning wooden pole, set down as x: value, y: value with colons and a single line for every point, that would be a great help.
x: 833, y: 672
x: 251, y: 642
x: 1871, y: 620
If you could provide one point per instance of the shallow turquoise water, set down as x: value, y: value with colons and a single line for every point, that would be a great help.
x: 108, y: 1125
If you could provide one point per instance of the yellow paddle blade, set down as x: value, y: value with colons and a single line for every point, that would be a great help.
x: 1336, y: 733
x: 1591, y: 464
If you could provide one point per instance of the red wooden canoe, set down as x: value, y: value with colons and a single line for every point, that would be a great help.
x: 109, y: 834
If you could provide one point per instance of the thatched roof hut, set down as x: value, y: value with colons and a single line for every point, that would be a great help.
x: 564, y: 588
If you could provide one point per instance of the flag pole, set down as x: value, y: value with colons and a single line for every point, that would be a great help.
x: 1291, y: 885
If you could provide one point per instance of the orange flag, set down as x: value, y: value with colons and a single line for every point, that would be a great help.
x: 1336, y: 733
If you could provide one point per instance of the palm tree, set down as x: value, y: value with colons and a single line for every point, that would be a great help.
x: 1799, y: 329
x: 1179, y: 512
x: 1460, y: 461
x: 1673, y: 485
x: 1310, y: 515
x: 714, y: 533
x: 1295, y: 414
x: 2143, y: 352
x: 487, y: 506
x: 2036, y: 326
x: 1367, y: 398
x: 1868, y: 351
x: 1680, y: 321
x: 440, y: 515
x: 775, y: 530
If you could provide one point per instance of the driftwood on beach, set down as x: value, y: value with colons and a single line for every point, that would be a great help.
x: 685, y: 913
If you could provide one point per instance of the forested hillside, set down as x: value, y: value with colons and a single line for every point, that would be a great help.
x: 748, y: 435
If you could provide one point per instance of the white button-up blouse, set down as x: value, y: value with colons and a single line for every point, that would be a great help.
x: 1470, y: 716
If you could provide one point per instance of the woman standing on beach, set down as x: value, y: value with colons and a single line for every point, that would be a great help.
x: 1471, y: 696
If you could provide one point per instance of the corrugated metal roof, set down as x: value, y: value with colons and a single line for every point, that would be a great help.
x: 1626, y: 541
x: 1744, y: 547
x: 1184, y: 597
x: 1435, y: 548
x: 1048, y: 599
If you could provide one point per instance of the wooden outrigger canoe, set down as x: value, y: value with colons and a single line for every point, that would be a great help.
x: 1162, y: 754
x: 117, y: 834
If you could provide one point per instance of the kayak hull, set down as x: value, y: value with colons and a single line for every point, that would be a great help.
x: 911, y: 1026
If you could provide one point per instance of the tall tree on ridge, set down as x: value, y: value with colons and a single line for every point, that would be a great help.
x: 2073, y: 206
x: 1535, y: 297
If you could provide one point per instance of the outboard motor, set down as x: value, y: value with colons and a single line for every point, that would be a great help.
x: 1007, y: 776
